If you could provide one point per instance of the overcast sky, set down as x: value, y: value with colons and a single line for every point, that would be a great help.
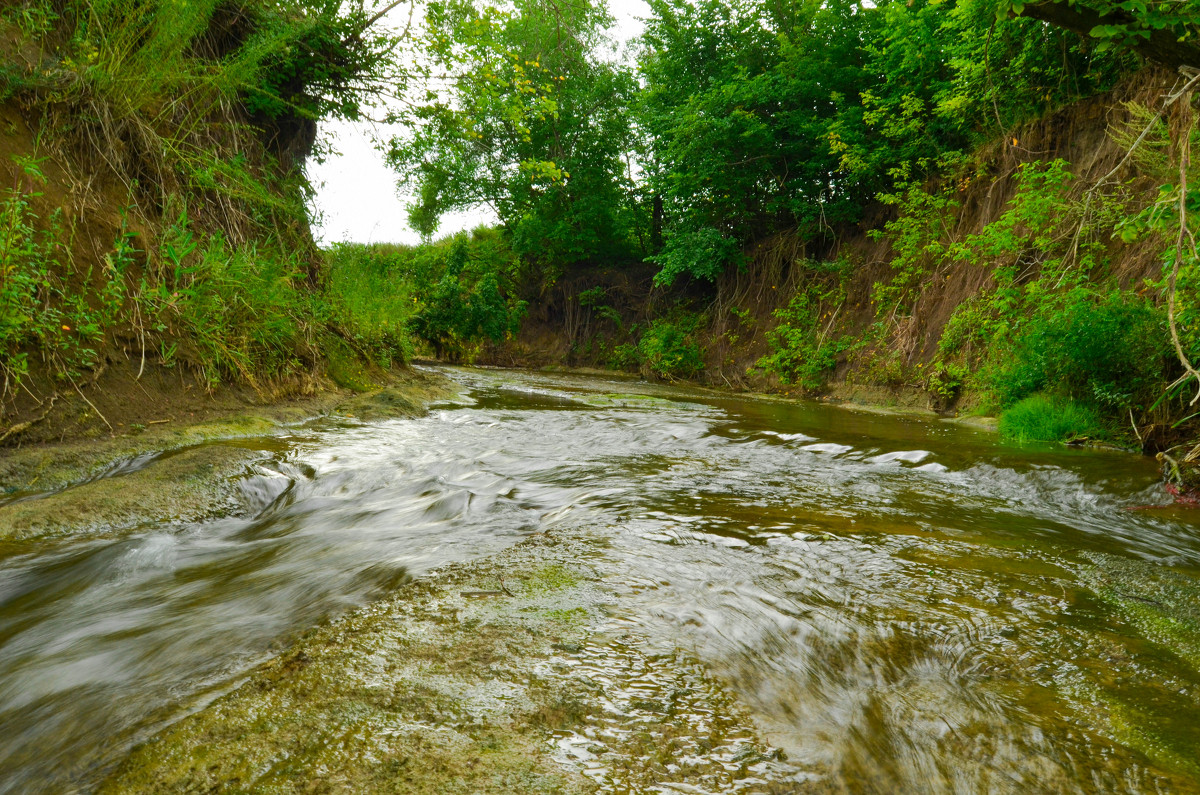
x: 357, y: 199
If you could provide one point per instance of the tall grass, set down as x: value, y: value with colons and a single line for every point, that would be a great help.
x: 371, y: 300
x: 1041, y: 418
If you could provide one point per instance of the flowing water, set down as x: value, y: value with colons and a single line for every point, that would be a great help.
x: 902, y: 603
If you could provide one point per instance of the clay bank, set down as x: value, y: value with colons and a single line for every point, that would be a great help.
x: 557, y: 583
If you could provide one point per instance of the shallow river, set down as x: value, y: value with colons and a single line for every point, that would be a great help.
x: 903, y: 604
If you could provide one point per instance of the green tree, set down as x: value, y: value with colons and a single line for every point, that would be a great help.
x: 523, y: 115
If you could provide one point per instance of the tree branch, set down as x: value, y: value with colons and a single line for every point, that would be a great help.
x: 1161, y: 46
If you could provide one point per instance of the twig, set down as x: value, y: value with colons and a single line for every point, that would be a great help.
x: 1185, y: 150
x: 1172, y: 98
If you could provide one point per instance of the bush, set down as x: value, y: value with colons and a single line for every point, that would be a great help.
x: 669, y: 350
x: 1041, y: 418
x: 1110, y: 352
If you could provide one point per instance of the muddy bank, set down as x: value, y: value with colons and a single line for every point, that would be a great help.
x: 179, y: 470
x: 501, y: 676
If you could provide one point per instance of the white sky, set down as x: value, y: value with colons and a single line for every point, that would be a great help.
x: 357, y: 199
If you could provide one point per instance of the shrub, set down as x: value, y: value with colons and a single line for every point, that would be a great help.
x: 1110, y: 352
x: 669, y: 349
x: 1041, y: 418
x: 466, y: 305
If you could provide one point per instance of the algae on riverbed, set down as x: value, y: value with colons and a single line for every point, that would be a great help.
x: 455, y: 686
x: 181, y: 473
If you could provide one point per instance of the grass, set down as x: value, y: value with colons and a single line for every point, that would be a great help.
x: 371, y: 300
x: 190, y: 118
x: 1041, y: 418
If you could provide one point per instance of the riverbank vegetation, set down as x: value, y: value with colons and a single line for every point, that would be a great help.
x: 154, y: 206
x: 954, y: 198
x: 983, y: 201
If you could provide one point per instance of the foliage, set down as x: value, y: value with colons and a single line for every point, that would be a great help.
x: 804, y: 345
x: 669, y: 348
x: 1162, y: 30
x: 238, y: 309
x: 768, y: 117
x: 1107, y: 351
x: 1040, y: 418
x: 921, y: 240
x: 451, y: 295
x: 532, y: 124
x: 703, y: 254
x: 945, y: 379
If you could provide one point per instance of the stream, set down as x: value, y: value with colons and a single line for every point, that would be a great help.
x: 902, y: 603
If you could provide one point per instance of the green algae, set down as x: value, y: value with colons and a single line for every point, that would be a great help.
x: 1163, y: 604
x: 186, y: 473
x: 432, y: 691
x: 548, y: 579
x: 1147, y: 711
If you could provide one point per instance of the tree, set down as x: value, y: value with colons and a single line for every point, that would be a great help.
x: 1163, y: 31
x: 522, y: 115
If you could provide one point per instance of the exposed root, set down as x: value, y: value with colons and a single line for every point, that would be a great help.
x: 21, y: 427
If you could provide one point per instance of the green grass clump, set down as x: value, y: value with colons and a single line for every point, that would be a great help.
x: 1041, y: 418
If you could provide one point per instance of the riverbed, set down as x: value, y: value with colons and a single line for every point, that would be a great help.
x: 883, y: 602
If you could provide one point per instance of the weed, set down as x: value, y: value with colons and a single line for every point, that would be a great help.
x: 668, y: 348
x: 1041, y: 418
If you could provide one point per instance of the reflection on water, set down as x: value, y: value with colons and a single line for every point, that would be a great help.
x: 902, y: 603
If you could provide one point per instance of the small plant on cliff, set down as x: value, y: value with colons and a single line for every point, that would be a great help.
x: 921, y: 237
x: 48, y: 304
x: 805, y: 345
x: 669, y: 349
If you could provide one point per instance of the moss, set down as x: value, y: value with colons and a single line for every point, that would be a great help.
x: 434, y: 691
